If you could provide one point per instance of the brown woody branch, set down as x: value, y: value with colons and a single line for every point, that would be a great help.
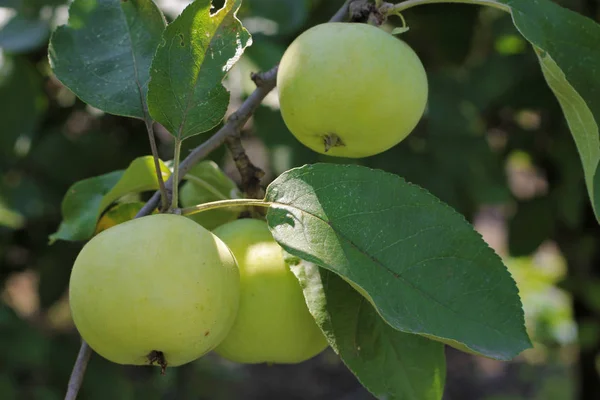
x: 251, y: 174
x: 265, y: 83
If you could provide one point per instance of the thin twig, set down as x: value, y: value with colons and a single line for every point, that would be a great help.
x: 233, y: 126
x: 83, y: 358
x: 161, y: 182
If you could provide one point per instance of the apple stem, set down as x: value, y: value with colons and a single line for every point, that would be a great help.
x: 226, y: 203
x: 393, y: 9
x: 176, y: 156
x: 161, y: 182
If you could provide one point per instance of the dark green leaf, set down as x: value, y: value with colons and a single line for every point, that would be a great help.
x: 196, y: 52
x: 389, y: 363
x: 103, y: 55
x: 23, y: 34
x: 86, y: 200
x: 426, y: 269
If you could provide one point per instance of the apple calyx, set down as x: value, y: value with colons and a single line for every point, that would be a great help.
x: 332, y: 140
x: 158, y: 357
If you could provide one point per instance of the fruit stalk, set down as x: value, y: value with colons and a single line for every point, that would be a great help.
x: 161, y: 183
x: 391, y: 9
x: 224, y: 204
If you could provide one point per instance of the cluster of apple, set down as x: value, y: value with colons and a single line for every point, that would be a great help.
x: 164, y: 290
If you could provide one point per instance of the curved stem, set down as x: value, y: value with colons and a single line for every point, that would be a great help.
x: 176, y: 156
x: 391, y: 9
x: 225, y: 204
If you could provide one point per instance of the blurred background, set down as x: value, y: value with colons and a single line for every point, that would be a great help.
x: 493, y: 144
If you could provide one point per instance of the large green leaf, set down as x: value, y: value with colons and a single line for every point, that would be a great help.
x: 426, y: 269
x: 196, y: 52
x: 567, y: 46
x: 389, y: 363
x: 103, y: 55
x: 87, y: 199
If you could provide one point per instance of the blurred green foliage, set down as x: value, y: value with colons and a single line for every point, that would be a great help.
x: 493, y: 138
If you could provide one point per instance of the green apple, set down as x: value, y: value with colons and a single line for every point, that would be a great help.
x: 158, y: 289
x: 273, y: 323
x: 351, y: 90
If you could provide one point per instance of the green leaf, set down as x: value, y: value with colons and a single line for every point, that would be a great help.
x: 22, y: 34
x: 566, y: 44
x: 87, y: 199
x: 426, y: 269
x: 23, y: 103
x: 103, y: 55
x: 389, y: 363
x: 205, y: 183
x: 196, y: 52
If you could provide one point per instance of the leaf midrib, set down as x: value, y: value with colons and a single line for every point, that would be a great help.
x: 135, y: 68
x: 395, y: 275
